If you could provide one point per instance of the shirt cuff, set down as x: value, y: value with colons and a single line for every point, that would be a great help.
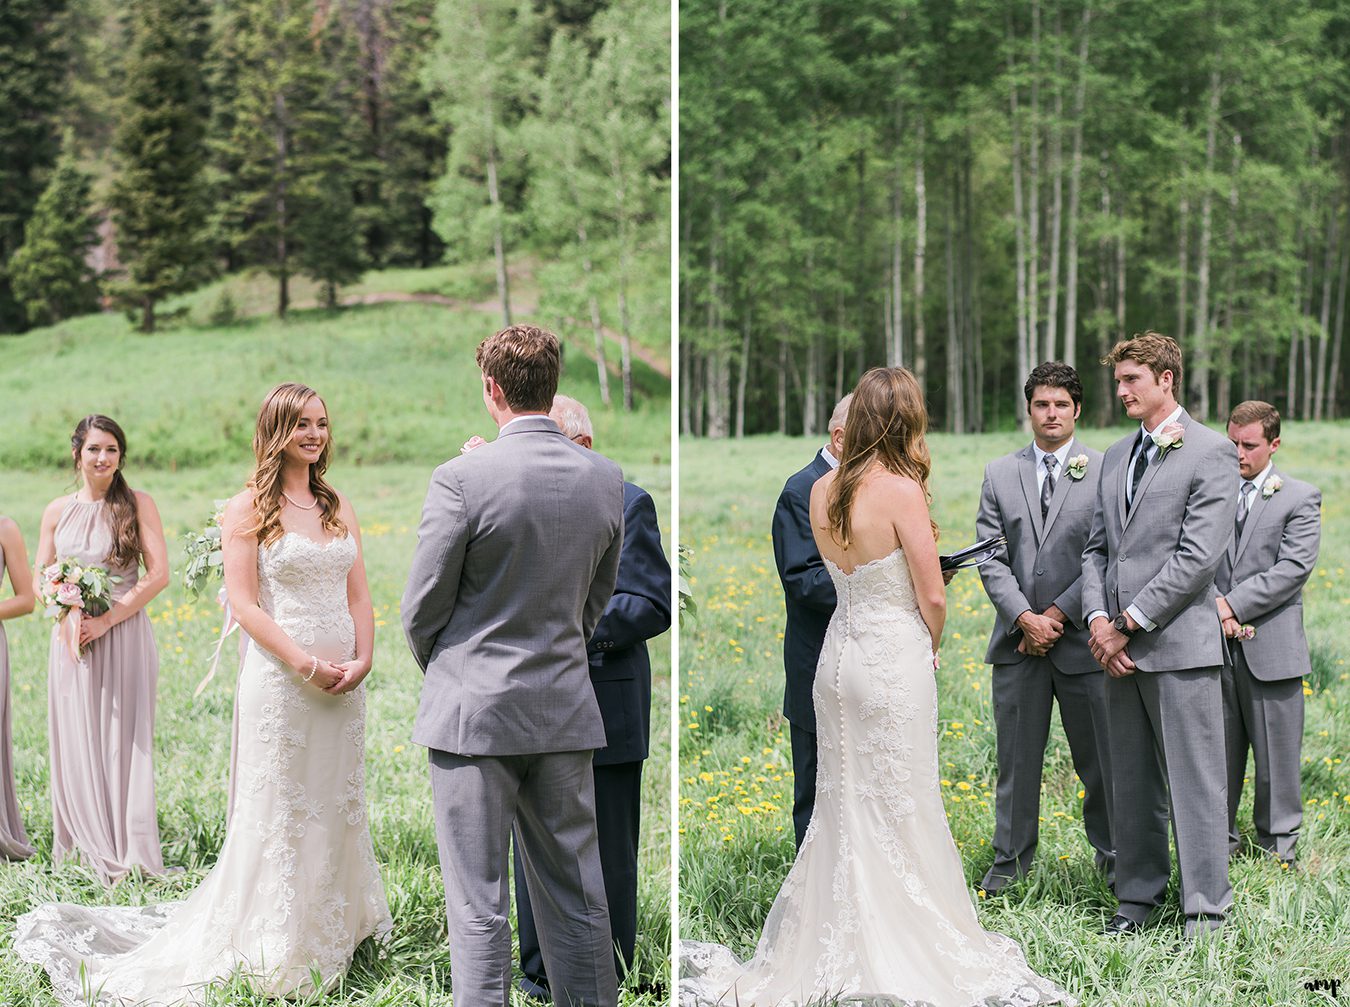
x: 1148, y: 624
x: 1095, y: 615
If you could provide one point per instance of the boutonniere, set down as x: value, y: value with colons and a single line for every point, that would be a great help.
x: 1271, y: 486
x: 1169, y: 438
x: 1077, y: 467
x: 1247, y: 632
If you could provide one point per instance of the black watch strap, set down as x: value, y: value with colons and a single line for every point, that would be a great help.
x: 1122, y: 624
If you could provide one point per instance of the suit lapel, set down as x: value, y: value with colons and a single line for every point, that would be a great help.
x: 1259, y: 504
x: 1061, y: 491
x: 1026, y: 467
x: 1152, y: 471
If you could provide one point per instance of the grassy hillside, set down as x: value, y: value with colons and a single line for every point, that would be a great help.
x: 403, y: 394
x: 735, y: 826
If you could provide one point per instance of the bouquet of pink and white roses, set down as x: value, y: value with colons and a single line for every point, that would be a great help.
x: 71, y: 590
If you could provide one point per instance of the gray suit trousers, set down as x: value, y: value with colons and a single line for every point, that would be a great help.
x: 551, y: 799
x: 1268, y: 716
x: 1166, y: 738
x: 1023, y: 696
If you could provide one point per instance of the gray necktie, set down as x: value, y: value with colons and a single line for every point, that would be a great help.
x: 1244, y: 504
x: 1048, y: 486
x: 1140, y: 465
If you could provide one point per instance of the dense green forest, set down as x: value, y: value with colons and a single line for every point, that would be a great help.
x: 149, y: 146
x: 969, y: 187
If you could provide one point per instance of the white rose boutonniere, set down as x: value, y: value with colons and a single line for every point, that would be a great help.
x: 1077, y: 467
x: 1271, y: 486
x: 1169, y: 438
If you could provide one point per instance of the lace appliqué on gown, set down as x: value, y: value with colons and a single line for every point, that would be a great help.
x: 875, y: 909
x: 296, y: 887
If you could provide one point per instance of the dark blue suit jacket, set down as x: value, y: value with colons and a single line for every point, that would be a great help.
x: 807, y: 589
x: 621, y: 671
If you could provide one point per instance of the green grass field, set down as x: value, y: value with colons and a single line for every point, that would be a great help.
x: 402, y: 392
x: 735, y: 831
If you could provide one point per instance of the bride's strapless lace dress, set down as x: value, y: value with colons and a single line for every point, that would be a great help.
x: 296, y: 887
x: 876, y: 906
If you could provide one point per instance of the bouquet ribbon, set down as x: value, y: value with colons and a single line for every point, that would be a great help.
x: 226, y: 629
x: 69, y: 633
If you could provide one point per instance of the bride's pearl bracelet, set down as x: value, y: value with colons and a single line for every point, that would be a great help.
x: 313, y: 668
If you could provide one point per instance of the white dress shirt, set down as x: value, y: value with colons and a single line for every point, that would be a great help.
x: 1061, y: 458
x: 829, y: 457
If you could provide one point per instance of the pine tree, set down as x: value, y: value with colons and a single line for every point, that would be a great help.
x: 159, y: 196
x: 31, y: 71
x: 49, y: 273
x: 290, y: 208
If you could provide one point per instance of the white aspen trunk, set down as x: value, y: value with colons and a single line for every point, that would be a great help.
x: 1034, y: 193
x: 1226, y: 334
x: 1200, y: 369
x: 920, y: 250
x: 1291, y: 386
x: 1056, y: 200
x: 1019, y: 224
x: 895, y: 343
x: 782, y: 386
x: 1120, y: 276
x: 1183, y: 260
x: 1334, y: 379
x: 498, y: 235
x: 597, y: 329
x: 1324, y: 329
x: 1103, y: 318
x: 810, y: 421
x: 1075, y: 186
x: 742, y: 375
x: 955, y: 391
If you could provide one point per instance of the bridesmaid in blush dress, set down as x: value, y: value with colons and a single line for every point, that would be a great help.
x: 14, y: 560
x: 101, y: 707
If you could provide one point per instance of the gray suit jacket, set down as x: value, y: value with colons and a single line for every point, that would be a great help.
x: 516, y: 558
x: 1263, y: 573
x: 1042, y: 565
x: 1162, y: 556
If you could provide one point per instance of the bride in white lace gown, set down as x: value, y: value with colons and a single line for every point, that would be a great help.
x: 296, y: 887
x: 876, y: 906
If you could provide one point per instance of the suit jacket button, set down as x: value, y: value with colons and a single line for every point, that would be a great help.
x: 1040, y: 573
x: 1123, y: 557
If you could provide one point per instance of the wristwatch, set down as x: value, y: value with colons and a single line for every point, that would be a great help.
x: 1122, y: 624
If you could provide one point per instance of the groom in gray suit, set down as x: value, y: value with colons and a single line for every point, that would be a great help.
x: 516, y: 558
x: 1042, y: 498
x: 1163, y: 518
x: 1262, y: 573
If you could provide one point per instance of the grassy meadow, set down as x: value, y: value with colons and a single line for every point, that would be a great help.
x: 403, y: 394
x: 1286, y: 928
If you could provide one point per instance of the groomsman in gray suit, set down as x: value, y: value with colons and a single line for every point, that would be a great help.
x: 1042, y: 498
x: 1163, y: 519
x: 516, y: 558
x: 1261, y: 577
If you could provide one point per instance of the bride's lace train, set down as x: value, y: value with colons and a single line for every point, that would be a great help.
x: 296, y: 887
x: 875, y: 909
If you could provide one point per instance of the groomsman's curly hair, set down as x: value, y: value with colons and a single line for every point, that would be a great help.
x: 1053, y: 374
x: 1256, y: 411
x: 1155, y: 351
x: 525, y: 361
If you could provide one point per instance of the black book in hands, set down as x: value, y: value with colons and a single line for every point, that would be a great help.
x: 973, y: 555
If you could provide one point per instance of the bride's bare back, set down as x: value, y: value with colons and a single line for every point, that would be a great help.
x: 889, y: 512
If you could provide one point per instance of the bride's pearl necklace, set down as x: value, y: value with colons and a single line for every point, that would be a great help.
x: 301, y: 506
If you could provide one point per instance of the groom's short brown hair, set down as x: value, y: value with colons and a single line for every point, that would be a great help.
x: 525, y: 361
x: 1155, y: 351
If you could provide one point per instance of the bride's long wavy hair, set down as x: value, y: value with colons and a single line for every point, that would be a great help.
x: 886, y: 424
x: 277, y: 422
x: 126, y: 528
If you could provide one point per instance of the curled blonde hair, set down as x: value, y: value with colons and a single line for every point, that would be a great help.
x: 886, y: 423
x: 277, y: 421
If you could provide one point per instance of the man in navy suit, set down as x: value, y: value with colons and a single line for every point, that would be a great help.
x: 809, y: 600
x: 621, y: 674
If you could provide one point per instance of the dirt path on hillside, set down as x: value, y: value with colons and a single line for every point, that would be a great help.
x: 648, y: 356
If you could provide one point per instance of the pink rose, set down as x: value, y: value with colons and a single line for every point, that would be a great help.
x: 69, y: 596
x: 472, y: 444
